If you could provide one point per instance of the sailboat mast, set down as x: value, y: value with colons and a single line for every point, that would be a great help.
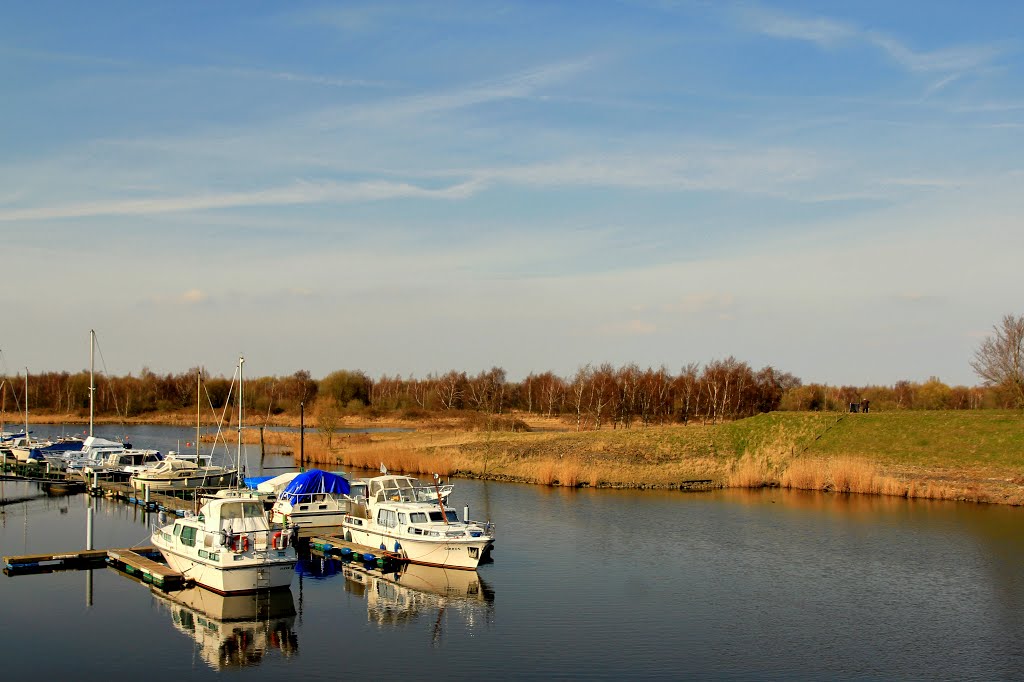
x: 92, y: 384
x: 241, y: 404
x: 26, y: 408
x: 199, y: 386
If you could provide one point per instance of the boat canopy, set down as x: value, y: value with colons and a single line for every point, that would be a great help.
x: 315, y: 481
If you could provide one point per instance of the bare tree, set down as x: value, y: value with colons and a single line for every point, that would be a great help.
x: 580, y: 382
x: 999, y: 361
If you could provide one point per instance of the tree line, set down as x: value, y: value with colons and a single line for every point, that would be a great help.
x: 594, y: 397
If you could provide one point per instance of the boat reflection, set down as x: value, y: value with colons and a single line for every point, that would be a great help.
x: 415, y: 592
x: 237, y: 630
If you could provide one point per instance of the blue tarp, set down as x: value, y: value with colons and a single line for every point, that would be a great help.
x: 253, y: 481
x: 316, y: 481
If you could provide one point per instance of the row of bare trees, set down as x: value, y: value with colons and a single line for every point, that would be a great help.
x: 595, y: 396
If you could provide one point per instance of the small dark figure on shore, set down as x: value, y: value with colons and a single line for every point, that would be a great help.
x: 864, y: 404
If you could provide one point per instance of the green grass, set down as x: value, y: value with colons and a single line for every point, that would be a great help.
x: 958, y: 439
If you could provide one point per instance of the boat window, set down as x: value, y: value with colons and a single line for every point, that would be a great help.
x: 450, y: 515
x: 387, y: 518
x: 436, y: 516
x: 188, y: 536
x: 401, y: 518
x: 177, y: 529
x: 418, y: 517
x: 253, y: 510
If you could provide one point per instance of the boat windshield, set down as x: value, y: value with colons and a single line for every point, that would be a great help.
x: 448, y: 513
x: 247, y: 510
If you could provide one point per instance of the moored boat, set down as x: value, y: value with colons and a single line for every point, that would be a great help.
x: 183, y: 474
x: 394, y: 515
x: 229, y: 548
x: 313, y: 498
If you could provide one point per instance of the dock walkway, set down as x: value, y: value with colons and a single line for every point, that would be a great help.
x: 335, y: 546
x: 134, y: 561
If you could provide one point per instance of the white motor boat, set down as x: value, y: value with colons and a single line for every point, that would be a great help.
x: 229, y: 548
x: 116, y: 464
x: 313, y: 498
x: 395, y: 516
x: 183, y: 474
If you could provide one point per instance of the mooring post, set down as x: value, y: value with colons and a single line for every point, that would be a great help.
x: 145, y: 487
x: 465, y: 513
x: 88, y: 527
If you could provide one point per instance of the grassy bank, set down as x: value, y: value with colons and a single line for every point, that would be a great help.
x: 962, y: 455
x: 959, y: 455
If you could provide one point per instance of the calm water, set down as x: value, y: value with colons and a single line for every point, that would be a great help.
x: 584, y: 584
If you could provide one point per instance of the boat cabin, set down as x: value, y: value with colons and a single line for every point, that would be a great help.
x: 399, y: 489
x: 173, y: 468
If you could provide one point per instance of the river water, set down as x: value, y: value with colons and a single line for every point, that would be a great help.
x: 584, y: 584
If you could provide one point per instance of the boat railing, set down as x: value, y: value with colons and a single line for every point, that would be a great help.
x: 236, y: 541
x: 310, y: 498
x: 423, y: 493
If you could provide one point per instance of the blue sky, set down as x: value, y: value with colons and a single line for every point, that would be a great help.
x: 833, y: 189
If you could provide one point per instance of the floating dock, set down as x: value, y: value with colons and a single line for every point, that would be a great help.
x: 339, y: 547
x: 135, y: 561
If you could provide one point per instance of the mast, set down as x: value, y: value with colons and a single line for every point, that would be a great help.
x: 241, y: 404
x: 199, y: 384
x: 92, y: 384
x: 28, y: 441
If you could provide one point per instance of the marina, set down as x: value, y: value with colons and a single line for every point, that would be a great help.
x: 732, y: 584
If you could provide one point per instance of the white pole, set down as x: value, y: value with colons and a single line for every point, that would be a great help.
x: 199, y: 386
x: 465, y: 513
x: 88, y: 527
x: 92, y: 383
x: 28, y: 442
x: 241, y: 404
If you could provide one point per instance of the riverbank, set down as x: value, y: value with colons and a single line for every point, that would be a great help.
x: 973, y: 456
x: 956, y: 455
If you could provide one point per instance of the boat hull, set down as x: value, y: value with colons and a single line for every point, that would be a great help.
x: 185, y: 483
x: 251, y: 575
x: 463, y: 553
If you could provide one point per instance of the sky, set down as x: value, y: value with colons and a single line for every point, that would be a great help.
x: 832, y: 189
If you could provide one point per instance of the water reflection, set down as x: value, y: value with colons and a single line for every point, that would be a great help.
x: 412, y: 594
x: 233, y: 631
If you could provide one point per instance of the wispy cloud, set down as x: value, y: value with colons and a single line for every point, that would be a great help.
x: 703, y: 302
x: 190, y: 297
x: 519, y: 85
x: 830, y: 34
x: 629, y: 328
x: 300, y: 193
x: 293, y: 77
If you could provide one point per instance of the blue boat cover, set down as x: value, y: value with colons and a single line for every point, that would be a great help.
x: 253, y: 481
x: 316, y: 481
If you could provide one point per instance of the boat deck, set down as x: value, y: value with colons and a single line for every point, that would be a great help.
x: 134, y: 561
x: 333, y: 545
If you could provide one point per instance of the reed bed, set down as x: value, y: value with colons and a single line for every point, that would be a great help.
x: 796, y: 452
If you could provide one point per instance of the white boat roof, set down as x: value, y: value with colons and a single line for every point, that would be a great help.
x: 237, y: 513
x: 97, y: 442
x: 277, y: 483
